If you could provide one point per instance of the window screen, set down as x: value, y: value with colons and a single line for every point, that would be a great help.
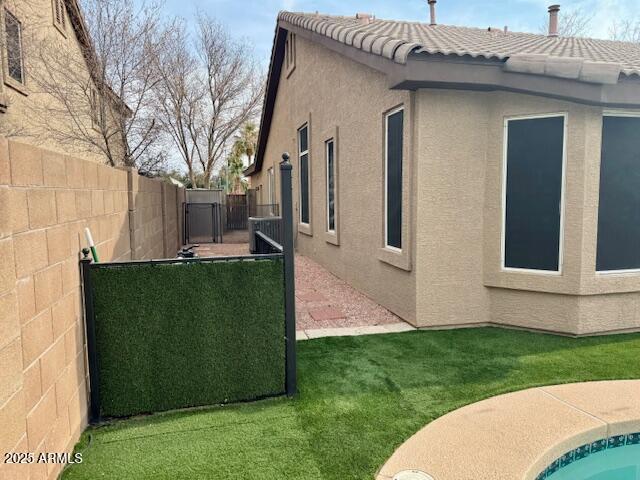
x: 13, y: 32
x: 303, y: 145
x: 619, y: 206
x: 535, y: 151
x: 394, y: 179
x: 331, y: 202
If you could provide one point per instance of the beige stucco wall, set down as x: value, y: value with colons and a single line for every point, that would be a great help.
x: 46, y: 201
x: 346, y: 101
x: 452, y: 145
x: 459, y: 222
x: 451, y: 274
x: 31, y: 109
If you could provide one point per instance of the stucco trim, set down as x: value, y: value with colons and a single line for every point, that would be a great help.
x: 334, y: 236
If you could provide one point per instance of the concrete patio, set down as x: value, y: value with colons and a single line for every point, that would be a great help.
x: 515, y: 436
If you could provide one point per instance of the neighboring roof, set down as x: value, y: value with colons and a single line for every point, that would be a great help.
x: 397, y: 39
x: 411, y: 54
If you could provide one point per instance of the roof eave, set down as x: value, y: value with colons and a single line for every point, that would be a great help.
x: 427, y: 71
x: 273, y: 81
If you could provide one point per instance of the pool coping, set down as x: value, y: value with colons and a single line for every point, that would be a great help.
x: 518, y: 435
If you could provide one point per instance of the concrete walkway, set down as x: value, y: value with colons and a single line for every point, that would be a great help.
x: 516, y: 436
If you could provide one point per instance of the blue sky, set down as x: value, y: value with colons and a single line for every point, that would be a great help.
x: 255, y: 19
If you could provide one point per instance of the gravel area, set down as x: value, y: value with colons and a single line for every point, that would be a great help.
x: 317, y: 289
x: 322, y: 299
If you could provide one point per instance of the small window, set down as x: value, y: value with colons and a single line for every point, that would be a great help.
x: 331, y: 185
x: 97, y: 116
x: 394, y: 128
x: 59, y: 15
x: 290, y: 53
x: 533, y: 191
x: 619, y: 205
x: 303, y: 156
x: 15, y: 59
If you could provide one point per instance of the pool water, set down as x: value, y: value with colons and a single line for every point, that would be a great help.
x: 620, y: 463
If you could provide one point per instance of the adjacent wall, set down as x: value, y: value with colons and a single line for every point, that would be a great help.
x: 46, y: 201
x: 346, y: 101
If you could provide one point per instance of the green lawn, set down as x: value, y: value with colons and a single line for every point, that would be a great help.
x: 360, y: 398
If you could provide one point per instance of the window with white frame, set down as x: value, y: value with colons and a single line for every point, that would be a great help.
x: 331, y: 185
x: 59, y: 17
x: 394, y: 130
x: 14, y: 52
x: 303, y: 158
x: 618, y: 247
x: 534, y: 158
x: 290, y: 52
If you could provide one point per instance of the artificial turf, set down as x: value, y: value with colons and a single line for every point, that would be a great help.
x: 360, y: 398
x: 188, y: 334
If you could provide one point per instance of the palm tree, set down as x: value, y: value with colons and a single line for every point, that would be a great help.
x: 244, y: 145
x: 235, y: 168
x: 247, y: 140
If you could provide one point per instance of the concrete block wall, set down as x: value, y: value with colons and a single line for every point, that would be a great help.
x: 46, y: 201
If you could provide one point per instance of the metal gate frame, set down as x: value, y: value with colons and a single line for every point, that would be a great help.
x: 237, y: 212
x: 216, y: 222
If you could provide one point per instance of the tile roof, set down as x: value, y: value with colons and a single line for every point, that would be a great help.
x: 397, y: 39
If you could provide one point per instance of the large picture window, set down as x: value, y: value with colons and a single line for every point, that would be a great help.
x: 331, y: 185
x: 303, y: 156
x: 619, y: 205
x: 394, y: 127
x: 533, y: 190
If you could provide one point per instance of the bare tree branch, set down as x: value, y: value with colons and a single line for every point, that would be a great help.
x: 626, y: 30
x: 105, y: 98
x: 209, y: 87
x: 572, y: 23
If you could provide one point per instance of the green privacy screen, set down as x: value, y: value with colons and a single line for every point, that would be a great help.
x: 180, y: 335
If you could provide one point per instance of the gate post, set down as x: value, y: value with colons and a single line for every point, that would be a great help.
x: 90, y: 322
x: 286, y: 197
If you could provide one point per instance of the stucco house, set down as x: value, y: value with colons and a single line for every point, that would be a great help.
x: 45, y: 45
x: 462, y: 176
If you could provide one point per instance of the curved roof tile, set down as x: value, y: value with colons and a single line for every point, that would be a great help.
x: 397, y: 39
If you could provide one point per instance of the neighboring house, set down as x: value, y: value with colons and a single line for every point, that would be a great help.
x: 462, y: 176
x: 32, y: 30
